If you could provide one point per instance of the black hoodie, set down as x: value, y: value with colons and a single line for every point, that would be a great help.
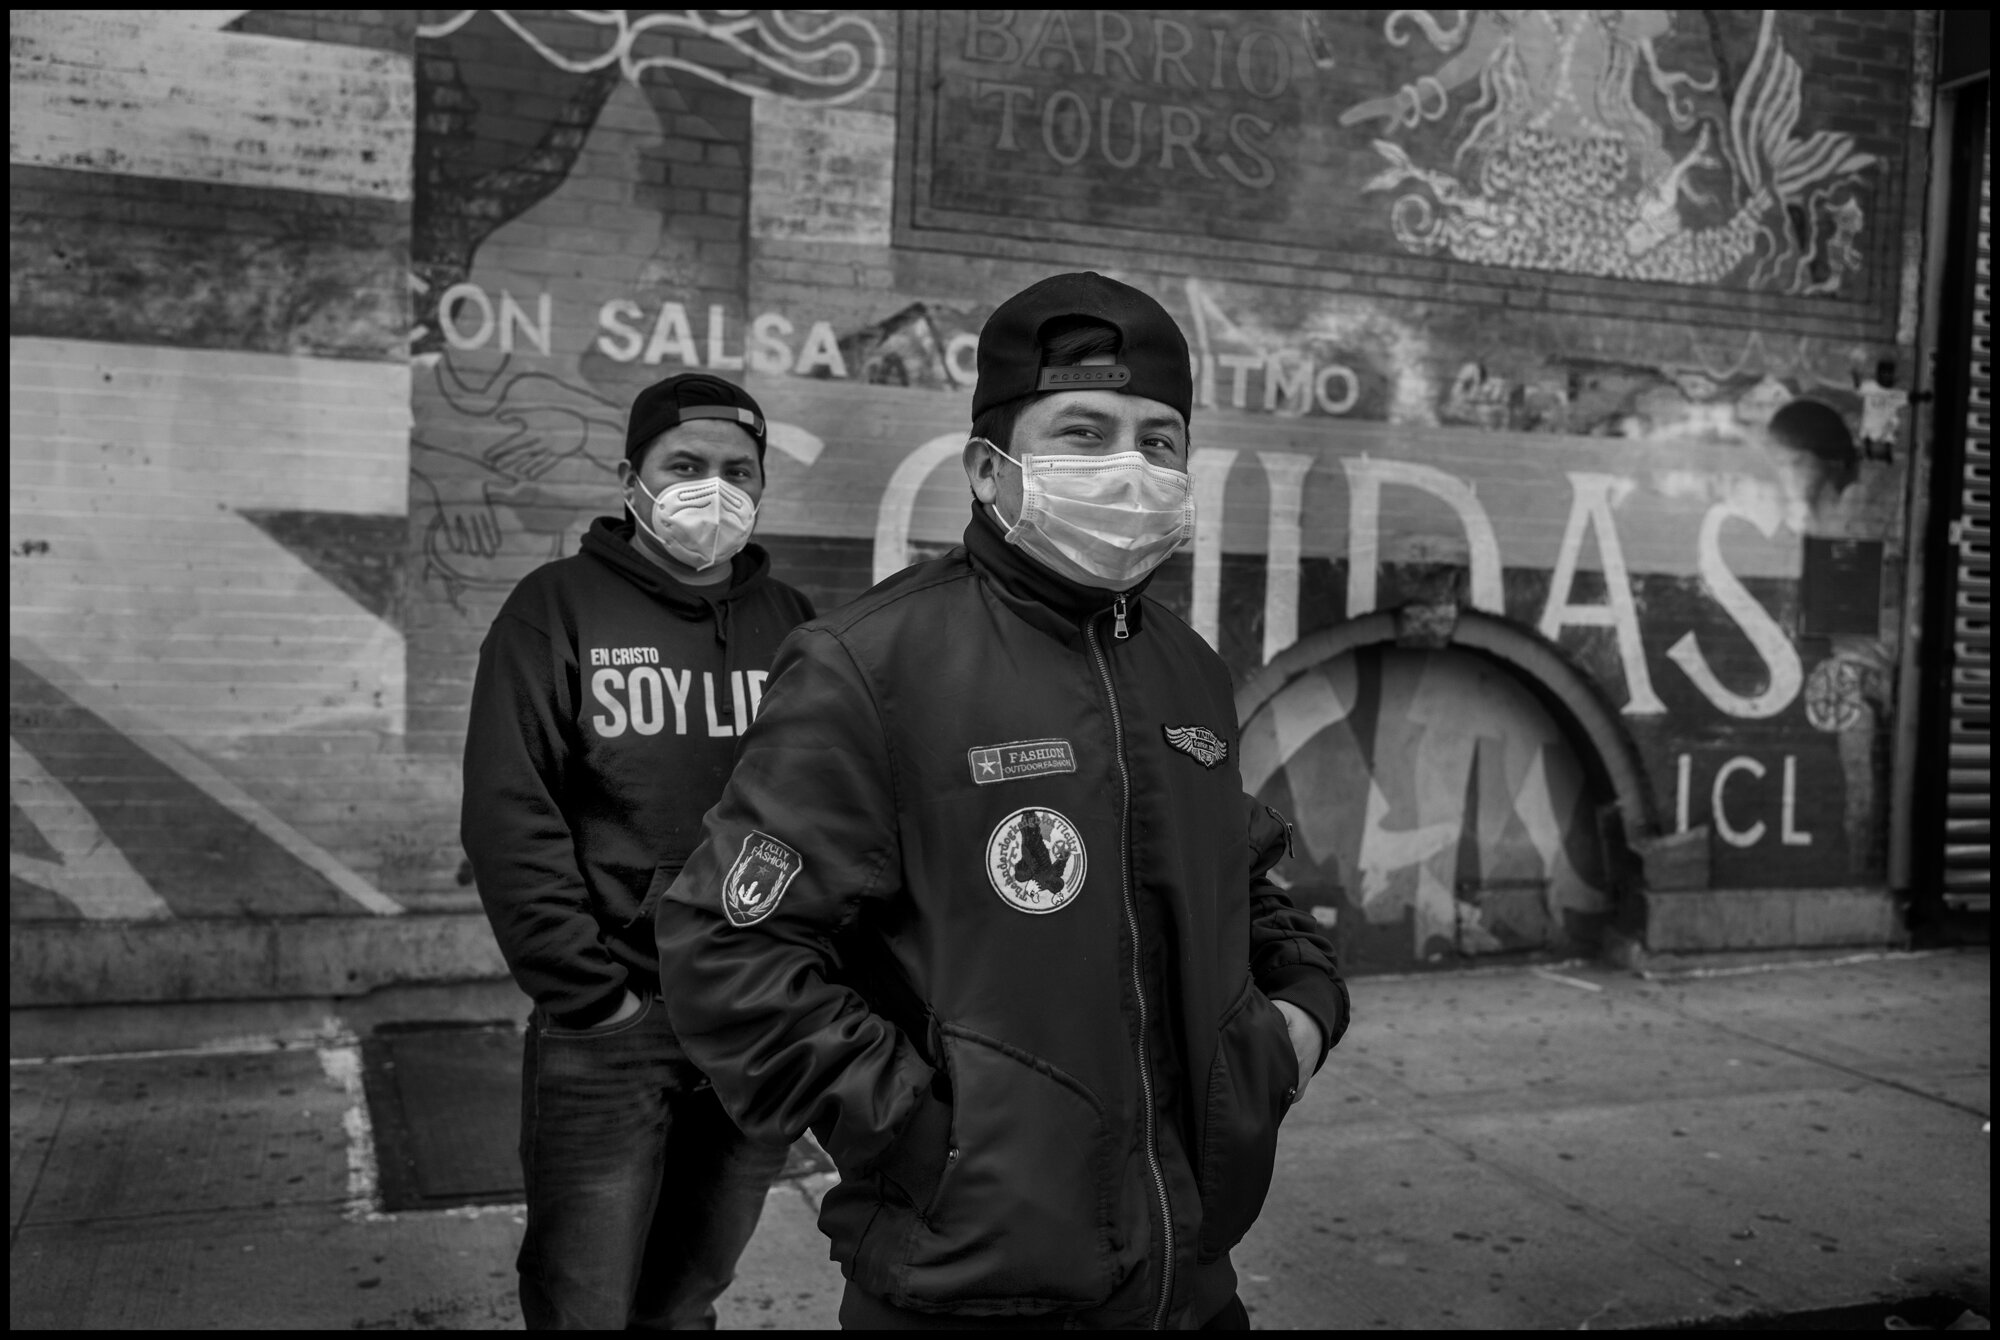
x: 605, y: 720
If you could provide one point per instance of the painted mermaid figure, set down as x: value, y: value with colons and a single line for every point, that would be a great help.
x: 1563, y: 170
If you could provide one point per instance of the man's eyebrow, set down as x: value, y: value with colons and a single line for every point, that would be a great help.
x: 684, y: 454
x: 1105, y: 416
x: 1085, y: 412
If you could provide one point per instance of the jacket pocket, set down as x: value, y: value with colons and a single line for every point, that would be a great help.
x: 1020, y: 1218
x: 1253, y: 1074
x: 913, y: 1165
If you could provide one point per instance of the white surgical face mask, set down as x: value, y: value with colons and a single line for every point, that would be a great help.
x: 1104, y: 521
x: 700, y: 522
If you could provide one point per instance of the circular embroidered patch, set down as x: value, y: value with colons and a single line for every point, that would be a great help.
x: 1036, y: 860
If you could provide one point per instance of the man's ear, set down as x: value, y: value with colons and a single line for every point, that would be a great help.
x: 982, y: 469
x: 628, y: 475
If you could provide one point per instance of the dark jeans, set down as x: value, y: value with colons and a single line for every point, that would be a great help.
x: 864, y: 1312
x: 641, y: 1192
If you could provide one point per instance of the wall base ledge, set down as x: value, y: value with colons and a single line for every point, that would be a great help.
x: 90, y: 963
x: 41, y: 1032
x: 1729, y: 920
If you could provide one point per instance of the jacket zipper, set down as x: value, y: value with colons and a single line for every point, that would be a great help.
x: 1138, y: 976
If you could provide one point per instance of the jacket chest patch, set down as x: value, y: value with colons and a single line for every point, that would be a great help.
x: 764, y: 868
x: 1199, y: 743
x: 1036, y: 861
x: 1023, y: 758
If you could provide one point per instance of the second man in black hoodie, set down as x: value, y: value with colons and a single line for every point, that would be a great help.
x: 611, y: 693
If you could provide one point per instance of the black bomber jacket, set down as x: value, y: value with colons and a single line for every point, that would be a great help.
x: 984, y: 906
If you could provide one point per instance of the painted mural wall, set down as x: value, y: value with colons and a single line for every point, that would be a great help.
x: 1597, y: 322
x: 209, y: 419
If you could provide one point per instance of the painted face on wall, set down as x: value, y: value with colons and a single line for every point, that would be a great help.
x: 1815, y: 454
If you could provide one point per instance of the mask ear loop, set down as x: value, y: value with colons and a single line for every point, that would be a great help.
x: 644, y: 521
x: 995, y: 446
x: 1008, y: 531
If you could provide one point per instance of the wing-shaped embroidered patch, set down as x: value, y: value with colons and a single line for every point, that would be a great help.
x: 1199, y: 743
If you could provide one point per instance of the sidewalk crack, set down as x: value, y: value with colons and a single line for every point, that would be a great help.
x: 35, y: 1186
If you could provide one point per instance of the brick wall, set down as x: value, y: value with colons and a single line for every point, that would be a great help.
x: 210, y: 444
x: 1439, y: 360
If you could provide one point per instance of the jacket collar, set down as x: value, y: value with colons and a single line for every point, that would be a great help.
x: 1052, y: 603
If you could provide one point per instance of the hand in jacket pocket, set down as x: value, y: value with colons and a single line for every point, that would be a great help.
x: 1307, y: 1043
x: 915, y: 1163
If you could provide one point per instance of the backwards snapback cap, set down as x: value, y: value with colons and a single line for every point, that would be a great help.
x: 1152, y: 352
x: 691, y: 395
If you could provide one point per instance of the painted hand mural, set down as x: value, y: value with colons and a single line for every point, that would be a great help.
x: 546, y: 461
x: 1563, y: 167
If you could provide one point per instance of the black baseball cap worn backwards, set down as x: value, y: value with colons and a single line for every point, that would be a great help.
x: 691, y: 395
x: 1152, y: 352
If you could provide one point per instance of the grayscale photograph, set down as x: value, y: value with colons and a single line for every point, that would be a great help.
x: 903, y: 669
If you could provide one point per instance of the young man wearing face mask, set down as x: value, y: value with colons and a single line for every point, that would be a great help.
x: 984, y: 904
x: 611, y: 697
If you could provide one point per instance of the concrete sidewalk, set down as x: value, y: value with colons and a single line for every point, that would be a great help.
x: 1508, y: 1148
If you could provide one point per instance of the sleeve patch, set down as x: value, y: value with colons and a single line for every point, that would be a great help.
x: 764, y: 869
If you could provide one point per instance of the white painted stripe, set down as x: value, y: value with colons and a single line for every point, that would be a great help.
x: 103, y: 93
x: 93, y: 874
x: 1285, y: 475
x: 342, y: 1067
x: 240, y: 1046
x: 1537, y: 810
x: 199, y: 774
x: 1386, y: 850
x: 1577, y: 982
x: 132, y: 465
x: 1258, y: 754
x: 796, y: 442
x: 1535, y: 804
x: 1300, y: 711
x: 1799, y: 965
x: 1306, y: 707
x: 205, y: 20
x: 899, y: 500
x: 1208, y: 476
x: 513, y: 1209
x: 1475, y: 969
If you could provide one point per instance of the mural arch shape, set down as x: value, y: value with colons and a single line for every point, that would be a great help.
x: 1533, y: 658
